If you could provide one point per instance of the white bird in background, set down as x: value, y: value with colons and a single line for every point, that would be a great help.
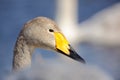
x: 43, y: 33
x: 101, y: 29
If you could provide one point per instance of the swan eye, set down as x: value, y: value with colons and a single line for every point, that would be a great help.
x: 51, y: 30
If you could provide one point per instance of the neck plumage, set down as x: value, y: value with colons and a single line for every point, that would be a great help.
x: 22, y: 54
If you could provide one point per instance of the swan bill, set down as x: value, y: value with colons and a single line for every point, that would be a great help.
x: 63, y: 46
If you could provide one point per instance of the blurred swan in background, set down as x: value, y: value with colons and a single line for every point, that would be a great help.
x: 101, y: 29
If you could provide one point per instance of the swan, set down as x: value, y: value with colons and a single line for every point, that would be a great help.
x: 40, y: 32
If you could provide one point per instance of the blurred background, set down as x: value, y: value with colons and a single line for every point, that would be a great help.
x: 92, y: 27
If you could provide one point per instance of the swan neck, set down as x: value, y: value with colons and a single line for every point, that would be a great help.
x: 22, y: 54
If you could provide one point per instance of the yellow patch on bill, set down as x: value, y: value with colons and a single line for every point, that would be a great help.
x: 62, y: 43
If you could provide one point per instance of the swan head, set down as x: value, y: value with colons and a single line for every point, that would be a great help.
x: 42, y: 32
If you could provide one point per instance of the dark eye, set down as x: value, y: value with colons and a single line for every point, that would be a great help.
x: 51, y: 30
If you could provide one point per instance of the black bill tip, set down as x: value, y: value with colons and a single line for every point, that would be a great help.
x: 73, y: 55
